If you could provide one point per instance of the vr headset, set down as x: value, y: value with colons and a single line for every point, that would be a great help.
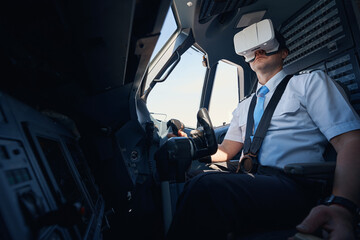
x: 257, y: 36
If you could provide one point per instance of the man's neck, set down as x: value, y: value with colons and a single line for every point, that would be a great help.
x: 264, y: 77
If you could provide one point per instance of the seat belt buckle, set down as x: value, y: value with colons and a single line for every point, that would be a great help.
x: 248, y: 164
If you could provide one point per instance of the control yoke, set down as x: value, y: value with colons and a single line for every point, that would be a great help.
x: 175, y: 155
x: 210, y: 146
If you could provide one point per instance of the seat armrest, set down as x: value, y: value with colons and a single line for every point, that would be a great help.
x: 326, y: 169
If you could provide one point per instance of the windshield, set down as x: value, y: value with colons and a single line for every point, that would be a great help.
x: 179, y: 96
x: 167, y: 30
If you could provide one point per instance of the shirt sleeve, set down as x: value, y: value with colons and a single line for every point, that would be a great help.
x: 234, y: 132
x: 328, y: 107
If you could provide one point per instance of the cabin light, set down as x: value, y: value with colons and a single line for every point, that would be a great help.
x: 189, y: 4
x: 250, y: 18
x: 265, y: 44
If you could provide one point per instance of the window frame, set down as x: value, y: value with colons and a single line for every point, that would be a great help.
x: 240, y: 85
x: 162, y: 56
x: 210, y: 79
x: 194, y: 48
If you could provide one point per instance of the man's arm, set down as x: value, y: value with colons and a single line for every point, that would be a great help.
x: 335, y: 219
x: 347, y: 180
x: 226, y: 151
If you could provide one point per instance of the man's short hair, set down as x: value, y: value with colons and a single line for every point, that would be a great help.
x: 282, y: 42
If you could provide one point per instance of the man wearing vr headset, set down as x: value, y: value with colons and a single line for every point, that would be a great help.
x: 310, y: 112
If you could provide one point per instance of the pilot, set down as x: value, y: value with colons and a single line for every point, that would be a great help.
x: 311, y: 112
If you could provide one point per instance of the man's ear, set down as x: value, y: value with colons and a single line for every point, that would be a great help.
x: 284, y: 53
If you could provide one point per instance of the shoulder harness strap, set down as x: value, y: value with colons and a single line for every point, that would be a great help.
x: 254, y: 146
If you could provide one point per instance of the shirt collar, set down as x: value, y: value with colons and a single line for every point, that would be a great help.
x: 273, y: 82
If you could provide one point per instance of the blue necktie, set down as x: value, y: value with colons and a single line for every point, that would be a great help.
x: 259, y: 107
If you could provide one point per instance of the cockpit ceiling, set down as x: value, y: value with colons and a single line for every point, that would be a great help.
x: 279, y: 10
x: 207, y: 10
x: 210, y: 8
x: 214, y: 23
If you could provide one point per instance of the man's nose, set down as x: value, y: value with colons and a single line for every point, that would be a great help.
x: 259, y: 52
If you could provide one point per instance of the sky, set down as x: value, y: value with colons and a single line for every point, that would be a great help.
x: 179, y: 95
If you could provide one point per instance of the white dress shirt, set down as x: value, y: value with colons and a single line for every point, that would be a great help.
x: 311, y: 111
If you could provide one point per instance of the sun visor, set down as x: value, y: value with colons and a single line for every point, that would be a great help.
x: 259, y: 35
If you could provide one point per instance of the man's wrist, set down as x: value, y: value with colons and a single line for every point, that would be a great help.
x: 342, y: 209
x: 206, y: 159
x: 344, y: 203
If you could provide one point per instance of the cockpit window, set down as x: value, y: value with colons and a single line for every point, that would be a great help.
x: 179, y: 96
x: 168, y: 29
x: 225, y: 93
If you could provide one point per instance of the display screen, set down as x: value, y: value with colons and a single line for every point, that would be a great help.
x: 63, y: 176
x: 16, y: 176
x: 84, y: 171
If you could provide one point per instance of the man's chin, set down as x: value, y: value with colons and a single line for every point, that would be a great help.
x: 257, y: 65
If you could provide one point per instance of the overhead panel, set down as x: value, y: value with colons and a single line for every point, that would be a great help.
x: 345, y: 70
x: 318, y: 37
x: 319, y: 28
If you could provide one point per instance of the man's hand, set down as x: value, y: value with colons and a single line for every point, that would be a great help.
x: 176, y: 128
x: 180, y: 134
x: 336, y: 221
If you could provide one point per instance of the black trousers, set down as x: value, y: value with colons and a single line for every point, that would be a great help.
x: 216, y: 204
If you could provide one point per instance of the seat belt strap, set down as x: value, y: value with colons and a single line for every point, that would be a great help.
x: 253, y: 147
